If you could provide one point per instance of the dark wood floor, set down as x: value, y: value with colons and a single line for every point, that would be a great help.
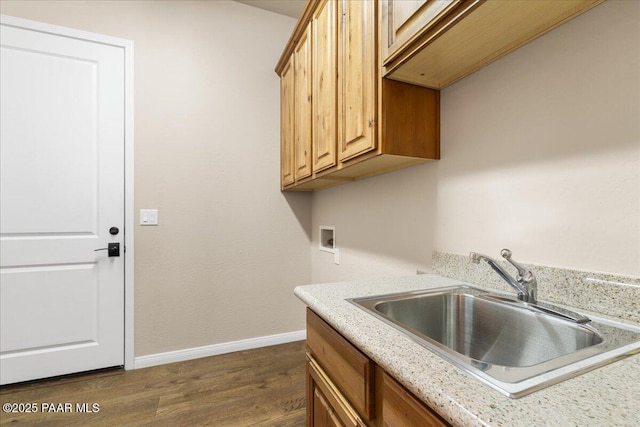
x: 262, y: 387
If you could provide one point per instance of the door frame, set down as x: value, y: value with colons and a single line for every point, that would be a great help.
x: 127, y: 46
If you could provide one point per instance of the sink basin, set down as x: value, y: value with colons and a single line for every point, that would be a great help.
x: 489, y: 331
x: 513, y: 347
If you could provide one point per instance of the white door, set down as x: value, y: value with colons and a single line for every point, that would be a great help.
x: 61, y: 191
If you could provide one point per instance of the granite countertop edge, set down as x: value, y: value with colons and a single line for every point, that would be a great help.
x: 604, y: 396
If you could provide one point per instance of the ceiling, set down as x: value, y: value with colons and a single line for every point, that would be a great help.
x: 292, y: 8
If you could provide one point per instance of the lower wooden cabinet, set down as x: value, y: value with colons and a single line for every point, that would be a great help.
x: 350, y: 370
x: 326, y: 406
x: 402, y: 408
x: 346, y: 388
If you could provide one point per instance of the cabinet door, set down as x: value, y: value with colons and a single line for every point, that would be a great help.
x: 323, y: 415
x: 286, y: 124
x: 302, y: 115
x: 325, y: 74
x: 404, y: 20
x: 401, y: 408
x: 357, y: 78
x: 326, y: 406
x: 350, y: 370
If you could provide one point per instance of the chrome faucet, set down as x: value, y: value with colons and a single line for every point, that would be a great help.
x: 525, y: 283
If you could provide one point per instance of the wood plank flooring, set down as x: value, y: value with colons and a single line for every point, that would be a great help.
x: 261, y: 387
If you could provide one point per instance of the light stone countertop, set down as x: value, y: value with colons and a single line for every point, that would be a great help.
x: 607, y: 396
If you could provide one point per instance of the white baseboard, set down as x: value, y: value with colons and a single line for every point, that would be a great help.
x: 216, y: 349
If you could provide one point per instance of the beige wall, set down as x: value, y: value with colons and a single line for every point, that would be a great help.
x: 222, y: 264
x: 540, y: 153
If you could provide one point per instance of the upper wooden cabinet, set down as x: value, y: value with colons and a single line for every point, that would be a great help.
x: 435, y: 43
x: 286, y: 124
x: 360, y: 124
x: 302, y: 107
x: 325, y: 85
x: 405, y: 20
x: 357, y: 79
x: 365, y: 77
x: 295, y: 114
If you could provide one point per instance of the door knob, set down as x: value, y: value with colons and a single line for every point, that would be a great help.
x: 113, y: 249
x: 114, y: 231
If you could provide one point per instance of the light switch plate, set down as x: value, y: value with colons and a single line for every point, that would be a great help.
x: 148, y: 216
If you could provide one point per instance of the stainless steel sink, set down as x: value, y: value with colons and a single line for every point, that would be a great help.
x: 514, y: 347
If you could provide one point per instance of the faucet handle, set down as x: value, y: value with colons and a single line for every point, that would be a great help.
x: 525, y: 277
x: 506, y: 253
x: 524, y: 273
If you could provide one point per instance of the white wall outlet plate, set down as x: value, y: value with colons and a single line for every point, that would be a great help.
x: 148, y: 216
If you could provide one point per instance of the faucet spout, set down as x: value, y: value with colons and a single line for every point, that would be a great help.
x: 525, y: 283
